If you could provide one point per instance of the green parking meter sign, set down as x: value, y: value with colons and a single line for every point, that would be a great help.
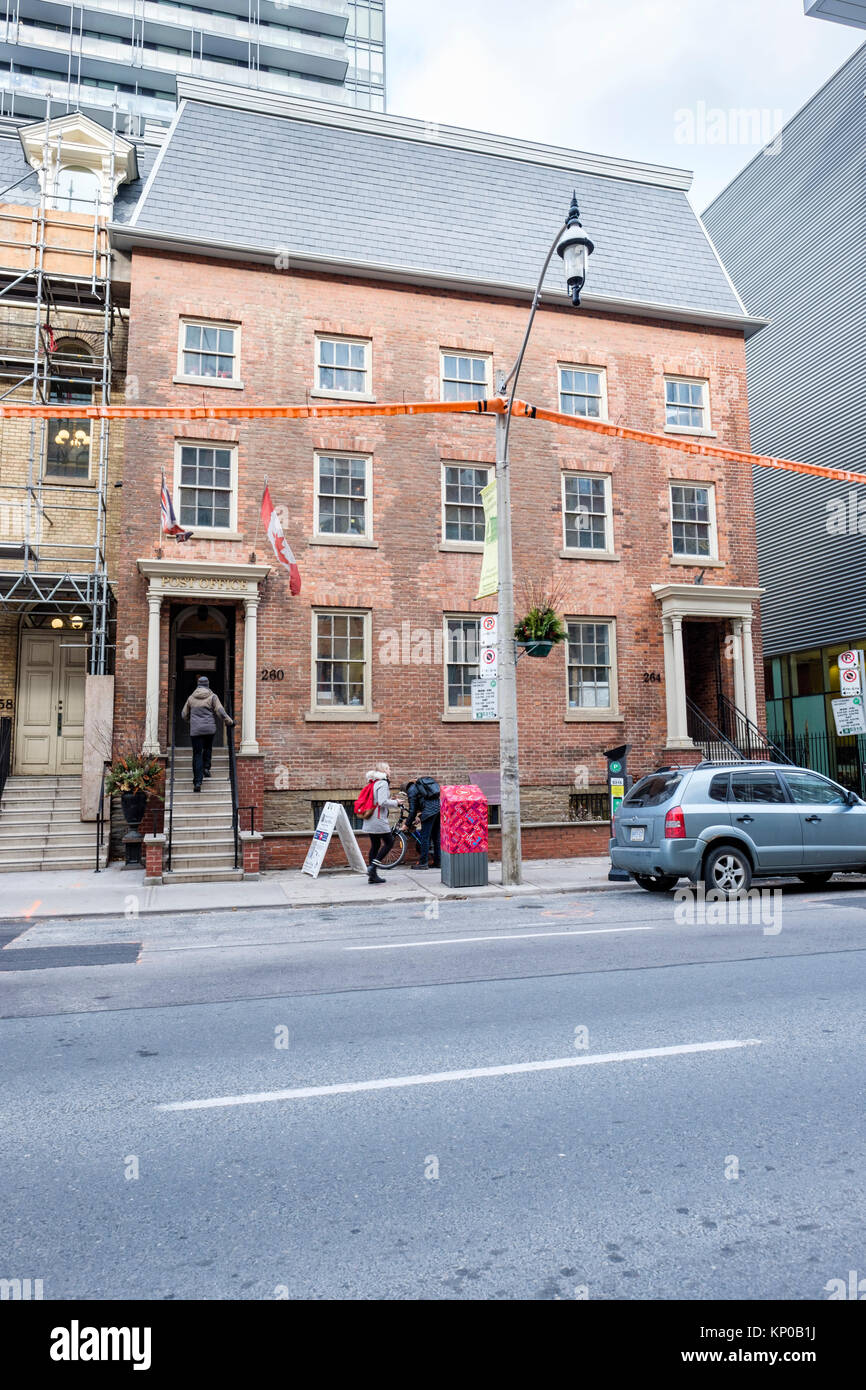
x: 617, y: 785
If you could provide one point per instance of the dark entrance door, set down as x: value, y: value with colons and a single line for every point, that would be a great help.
x: 202, y: 647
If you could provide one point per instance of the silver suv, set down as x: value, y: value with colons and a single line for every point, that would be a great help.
x: 724, y: 824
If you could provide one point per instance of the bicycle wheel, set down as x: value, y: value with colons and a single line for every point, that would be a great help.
x: 396, y: 854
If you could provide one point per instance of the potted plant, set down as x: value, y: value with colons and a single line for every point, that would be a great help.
x: 542, y: 628
x: 135, y: 778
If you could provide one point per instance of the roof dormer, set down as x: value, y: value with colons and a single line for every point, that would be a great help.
x: 80, y: 164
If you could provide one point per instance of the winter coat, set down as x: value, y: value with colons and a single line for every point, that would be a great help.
x: 423, y: 799
x: 201, y: 710
x: 378, y: 823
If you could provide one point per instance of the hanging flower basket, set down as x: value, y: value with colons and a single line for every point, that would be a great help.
x: 542, y: 628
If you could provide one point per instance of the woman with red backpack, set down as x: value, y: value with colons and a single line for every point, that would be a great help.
x: 373, y: 807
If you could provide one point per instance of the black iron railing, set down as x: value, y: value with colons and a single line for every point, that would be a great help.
x: 102, y: 819
x: 745, y: 735
x: 233, y: 780
x: 5, y: 750
x: 173, y: 717
x: 843, y: 760
x: 715, y: 743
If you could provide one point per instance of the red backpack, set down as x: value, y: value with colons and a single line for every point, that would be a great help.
x: 366, y: 805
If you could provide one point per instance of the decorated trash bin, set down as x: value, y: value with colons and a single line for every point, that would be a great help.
x: 464, y: 839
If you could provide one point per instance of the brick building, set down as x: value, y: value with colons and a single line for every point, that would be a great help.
x: 287, y: 252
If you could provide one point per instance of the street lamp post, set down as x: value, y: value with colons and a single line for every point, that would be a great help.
x: 575, y: 248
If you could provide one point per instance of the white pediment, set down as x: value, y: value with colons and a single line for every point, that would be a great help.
x: 76, y: 140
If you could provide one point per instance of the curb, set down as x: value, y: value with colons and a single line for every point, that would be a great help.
x: 494, y: 891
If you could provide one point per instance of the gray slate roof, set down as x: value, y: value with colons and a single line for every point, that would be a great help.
x: 251, y: 179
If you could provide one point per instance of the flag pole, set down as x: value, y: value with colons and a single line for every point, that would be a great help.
x: 258, y: 519
x: 159, y: 533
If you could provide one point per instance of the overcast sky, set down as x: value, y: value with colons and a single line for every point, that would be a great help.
x: 642, y: 79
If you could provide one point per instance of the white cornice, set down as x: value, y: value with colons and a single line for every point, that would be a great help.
x: 126, y: 236
x: 430, y: 133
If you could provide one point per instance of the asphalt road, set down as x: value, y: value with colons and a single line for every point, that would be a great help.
x: 343, y: 1105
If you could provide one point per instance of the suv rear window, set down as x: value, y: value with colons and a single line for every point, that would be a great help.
x: 653, y: 790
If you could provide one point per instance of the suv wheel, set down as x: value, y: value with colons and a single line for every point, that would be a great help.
x: 664, y: 883
x: 728, y: 870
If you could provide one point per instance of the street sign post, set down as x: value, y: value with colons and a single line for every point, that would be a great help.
x: 851, y: 672
x: 849, y: 716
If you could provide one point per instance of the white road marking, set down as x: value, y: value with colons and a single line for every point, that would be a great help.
x: 434, y: 1078
x: 498, y: 936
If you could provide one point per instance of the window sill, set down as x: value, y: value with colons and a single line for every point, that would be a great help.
x: 350, y: 396
x: 208, y: 381
x: 211, y: 533
x: 340, y: 716
x: 686, y: 429
x: 464, y: 547
x: 704, y: 563
x: 596, y: 419
x: 593, y: 716
x: 568, y: 554
x: 463, y: 717
x: 54, y: 480
x: 364, y: 542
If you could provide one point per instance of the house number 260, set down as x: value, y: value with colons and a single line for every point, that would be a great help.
x: 273, y: 675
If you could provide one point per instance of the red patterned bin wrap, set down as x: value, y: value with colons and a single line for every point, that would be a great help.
x: 464, y: 820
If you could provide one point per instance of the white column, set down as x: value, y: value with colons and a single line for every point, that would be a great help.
x: 151, y: 704
x: 739, y: 683
x: 670, y: 678
x: 680, y: 730
x: 248, y: 722
x: 749, y: 672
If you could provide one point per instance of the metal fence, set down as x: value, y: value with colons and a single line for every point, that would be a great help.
x: 842, y: 759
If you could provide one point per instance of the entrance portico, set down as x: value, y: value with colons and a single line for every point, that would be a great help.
x: 202, y: 582
x: 733, y: 605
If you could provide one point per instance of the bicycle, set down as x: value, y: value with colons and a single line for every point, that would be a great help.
x: 403, y: 833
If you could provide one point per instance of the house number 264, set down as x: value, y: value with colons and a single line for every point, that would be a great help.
x: 652, y: 678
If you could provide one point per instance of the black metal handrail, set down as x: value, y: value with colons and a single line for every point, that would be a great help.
x: 101, y: 817
x: 233, y: 779
x: 703, y: 730
x: 5, y: 750
x: 746, y: 734
x: 173, y: 717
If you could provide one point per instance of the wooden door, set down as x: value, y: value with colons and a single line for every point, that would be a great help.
x: 49, y: 731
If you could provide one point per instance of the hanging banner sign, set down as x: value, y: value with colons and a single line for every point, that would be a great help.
x: 333, y: 818
x: 485, y: 698
x: 490, y: 559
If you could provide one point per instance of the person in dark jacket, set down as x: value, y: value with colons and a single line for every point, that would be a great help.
x: 423, y: 796
x: 202, y: 709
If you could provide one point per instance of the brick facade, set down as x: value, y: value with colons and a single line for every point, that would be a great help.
x: 406, y: 576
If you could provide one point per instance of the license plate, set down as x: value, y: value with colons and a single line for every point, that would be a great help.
x: 637, y: 833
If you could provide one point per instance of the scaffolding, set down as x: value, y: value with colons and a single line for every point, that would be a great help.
x: 55, y: 266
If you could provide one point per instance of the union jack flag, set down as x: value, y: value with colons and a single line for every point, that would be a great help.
x: 170, y: 524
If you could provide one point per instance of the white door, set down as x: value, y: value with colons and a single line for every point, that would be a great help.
x: 49, y: 730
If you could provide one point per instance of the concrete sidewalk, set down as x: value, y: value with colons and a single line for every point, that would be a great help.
x: 120, y: 893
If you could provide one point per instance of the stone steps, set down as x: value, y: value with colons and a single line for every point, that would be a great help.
x: 41, y: 826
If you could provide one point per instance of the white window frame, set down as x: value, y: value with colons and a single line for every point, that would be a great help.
x: 349, y: 537
x: 328, y: 392
x: 583, y: 367
x: 594, y: 714
x: 455, y: 714
x: 474, y: 547
x: 182, y: 378
x: 344, y: 713
x: 584, y: 553
x: 216, y: 533
x: 703, y: 382
x: 690, y: 559
x: 484, y: 357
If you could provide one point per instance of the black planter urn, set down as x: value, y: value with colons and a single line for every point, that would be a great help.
x: 134, y: 805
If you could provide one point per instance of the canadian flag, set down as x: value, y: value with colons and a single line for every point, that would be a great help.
x: 282, y: 549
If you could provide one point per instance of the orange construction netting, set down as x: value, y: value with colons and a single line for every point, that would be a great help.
x: 495, y: 405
